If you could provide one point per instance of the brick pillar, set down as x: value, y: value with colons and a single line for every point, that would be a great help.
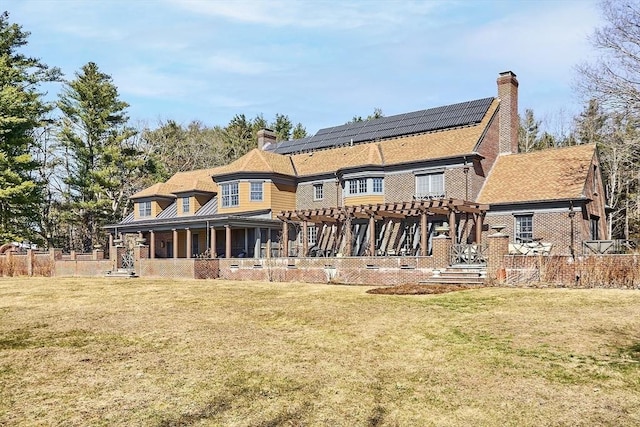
x: 498, y: 248
x: 72, y: 255
x: 98, y: 254
x: 29, y: 262
x: 140, y: 252
x: 441, y: 251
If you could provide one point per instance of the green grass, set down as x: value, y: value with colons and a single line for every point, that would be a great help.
x: 181, y: 353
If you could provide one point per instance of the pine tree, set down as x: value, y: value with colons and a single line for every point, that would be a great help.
x: 22, y: 112
x: 528, y: 132
x: 103, y: 157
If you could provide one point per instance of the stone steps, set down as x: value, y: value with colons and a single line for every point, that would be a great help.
x: 458, y: 275
x: 122, y: 273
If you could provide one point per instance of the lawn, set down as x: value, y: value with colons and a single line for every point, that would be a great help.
x: 180, y: 353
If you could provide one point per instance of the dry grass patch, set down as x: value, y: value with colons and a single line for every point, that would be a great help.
x: 177, y: 353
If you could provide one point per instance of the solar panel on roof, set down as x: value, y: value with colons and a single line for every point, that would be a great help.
x: 437, y: 118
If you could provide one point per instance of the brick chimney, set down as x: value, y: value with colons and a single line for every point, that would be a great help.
x: 266, y: 137
x: 508, y: 114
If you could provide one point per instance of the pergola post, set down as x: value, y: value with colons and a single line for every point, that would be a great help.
x: 212, y: 242
x: 424, y: 228
x: 175, y: 243
x: 452, y: 226
x: 479, y: 217
x: 285, y: 239
x: 305, y: 239
x: 348, y: 237
x: 227, y: 241
x: 372, y: 236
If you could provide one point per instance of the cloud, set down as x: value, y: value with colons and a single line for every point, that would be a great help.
x: 230, y: 63
x: 145, y: 81
x: 301, y: 14
x: 543, y: 39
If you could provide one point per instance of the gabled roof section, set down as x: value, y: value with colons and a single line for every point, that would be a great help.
x: 156, y: 190
x: 415, y: 122
x: 258, y: 161
x: 554, y: 174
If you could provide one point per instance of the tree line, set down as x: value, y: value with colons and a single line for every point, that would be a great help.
x: 68, y: 167
x: 610, y: 117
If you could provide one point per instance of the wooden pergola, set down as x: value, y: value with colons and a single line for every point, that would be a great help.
x: 380, y: 211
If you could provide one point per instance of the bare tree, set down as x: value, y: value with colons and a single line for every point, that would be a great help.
x: 614, y: 79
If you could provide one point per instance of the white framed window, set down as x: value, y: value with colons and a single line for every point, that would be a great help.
x: 230, y: 194
x: 318, y: 191
x: 377, y: 184
x: 144, y: 209
x: 360, y: 186
x: 430, y: 186
x: 524, y: 228
x: 312, y: 233
x: 186, y: 205
x: 256, y: 191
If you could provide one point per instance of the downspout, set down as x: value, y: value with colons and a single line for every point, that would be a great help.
x: 572, y: 215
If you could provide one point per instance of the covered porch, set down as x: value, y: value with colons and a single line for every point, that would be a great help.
x: 217, y: 237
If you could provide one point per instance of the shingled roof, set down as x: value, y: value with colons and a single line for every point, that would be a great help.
x: 258, y: 160
x: 554, y: 174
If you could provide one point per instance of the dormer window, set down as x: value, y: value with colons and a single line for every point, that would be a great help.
x: 230, y: 194
x: 364, y: 186
x: 186, y: 205
x: 318, y: 192
x: 144, y: 209
x: 256, y: 191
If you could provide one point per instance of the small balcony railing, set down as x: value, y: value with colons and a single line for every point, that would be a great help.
x: 614, y: 246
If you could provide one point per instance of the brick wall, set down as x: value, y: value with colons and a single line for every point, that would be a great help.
x: 399, y: 187
x: 81, y: 268
x: 170, y: 267
x: 604, y: 271
x: 348, y: 270
x: 332, y: 196
x: 550, y: 227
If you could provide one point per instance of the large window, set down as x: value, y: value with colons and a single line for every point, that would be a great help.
x: 144, y: 209
x: 318, y: 192
x: 230, y: 194
x: 185, y: 205
x: 430, y: 186
x: 256, y: 191
x: 361, y: 186
x: 524, y: 228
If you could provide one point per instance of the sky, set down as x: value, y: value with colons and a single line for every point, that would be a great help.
x: 319, y: 62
